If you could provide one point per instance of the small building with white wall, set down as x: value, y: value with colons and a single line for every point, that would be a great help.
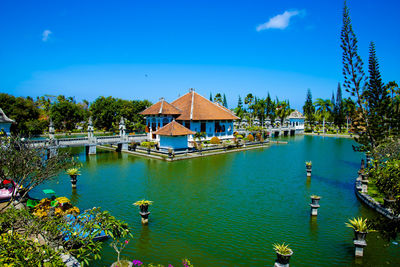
x: 192, y: 111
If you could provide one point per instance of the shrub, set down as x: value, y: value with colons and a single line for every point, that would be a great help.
x: 239, y: 136
x: 258, y: 136
x: 147, y: 144
x: 215, y: 140
x: 250, y: 137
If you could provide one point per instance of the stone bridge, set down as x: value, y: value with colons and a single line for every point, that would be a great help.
x: 90, y: 142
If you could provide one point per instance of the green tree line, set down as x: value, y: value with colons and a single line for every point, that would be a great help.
x: 32, y: 116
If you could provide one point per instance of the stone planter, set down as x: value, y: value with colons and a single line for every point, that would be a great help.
x: 283, y: 259
x: 315, y: 200
x: 309, y: 170
x: 359, y: 235
x: 144, y: 213
x: 73, y: 180
x: 122, y: 263
x: 314, y: 205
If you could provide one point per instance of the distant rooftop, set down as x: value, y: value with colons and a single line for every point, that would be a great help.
x: 3, y: 117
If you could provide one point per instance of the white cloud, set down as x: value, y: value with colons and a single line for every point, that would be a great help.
x: 280, y: 21
x: 46, y: 35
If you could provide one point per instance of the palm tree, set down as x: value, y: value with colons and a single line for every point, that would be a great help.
x: 261, y: 106
x: 323, y: 107
x: 349, y: 108
x: 283, y: 110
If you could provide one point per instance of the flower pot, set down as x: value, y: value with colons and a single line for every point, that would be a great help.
x: 122, y: 263
x: 283, y: 258
x: 360, y: 235
x: 315, y: 201
x: 144, y: 208
x: 73, y: 180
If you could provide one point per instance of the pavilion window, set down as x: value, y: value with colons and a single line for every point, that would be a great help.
x: 187, y: 124
x: 203, y: 126
x: 217, y: 127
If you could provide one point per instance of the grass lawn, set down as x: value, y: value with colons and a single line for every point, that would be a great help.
x: 373, y: 192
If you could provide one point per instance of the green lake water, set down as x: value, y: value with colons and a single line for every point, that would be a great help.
x: 228, y: 210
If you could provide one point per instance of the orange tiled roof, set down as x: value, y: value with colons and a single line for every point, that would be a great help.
x: 195, y: 107
x: 174, y: 129
x: 161, y: 107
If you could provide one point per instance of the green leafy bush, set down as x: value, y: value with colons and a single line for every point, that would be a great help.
x: 148, y: 144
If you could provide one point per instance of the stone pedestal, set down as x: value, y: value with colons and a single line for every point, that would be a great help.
x: 122, y: 146
x: 359, y: 247
x: 309, y: 170
x: 277, y: 264
x: 73, y: 180
x: 314, y: 209
x: 364, y: 187
x: 91, y: 149
x: 145, y: 217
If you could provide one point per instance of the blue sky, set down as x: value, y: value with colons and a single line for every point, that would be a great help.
x: 148, y: 49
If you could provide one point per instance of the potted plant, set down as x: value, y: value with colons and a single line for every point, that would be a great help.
x: 360, y: 227
x: 308, y: 164
x: 143, y: 204
x: 73, y: 173
x: 144, y: 209
x: 283, y: 253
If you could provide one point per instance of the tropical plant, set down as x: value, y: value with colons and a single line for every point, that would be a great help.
x: 323, y: 108
x: 27, y: 165
x: 358, y: 224
x: 309, y: 163
x: 282, y: 249
x: 315, y: 197
x: 143, y: 202
x: 118, y: 246
x: 73, y: 171
x: 283, y: 110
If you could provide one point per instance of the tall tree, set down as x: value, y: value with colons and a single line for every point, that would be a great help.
x: 25, y: 113
x: 309, y: 109
x: 65, y: 113
x: 211, y: 98
x: 218, y: 98
x: 225, y: 103
x: 355, y: 79
x: 338, y: 109
x: 239, y: 109
x: 378, y: 103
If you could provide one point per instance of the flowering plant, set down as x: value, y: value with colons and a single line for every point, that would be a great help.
x: 118, y: 247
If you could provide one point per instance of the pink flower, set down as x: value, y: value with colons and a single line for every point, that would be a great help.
x: 137, y: 263
x: 126, y: 241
